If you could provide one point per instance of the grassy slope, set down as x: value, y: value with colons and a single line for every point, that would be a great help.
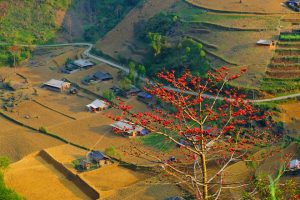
x: 28, y: 22
x: 6, y: 193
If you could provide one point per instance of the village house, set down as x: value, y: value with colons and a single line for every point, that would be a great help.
x: 83, y: 64
x: 95, y: 159
x: 70, y: 68
x: 56, y: 85
x: 100, y: 158
x: 128, y: 128
x: 97, y: 105
x: 263, y: 42
x: 99, y: 76
x: 293, y: 4
x: 76, y: 65
x: 145, y: 97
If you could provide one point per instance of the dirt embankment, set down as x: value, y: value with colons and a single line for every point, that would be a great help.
x: 118, y: 40
x: 242, y: 6
x: 35, y: 178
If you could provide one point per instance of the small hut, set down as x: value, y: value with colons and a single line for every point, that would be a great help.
x: 129, y: 128
x: 263, y: 42
x: 82, y: 64
x: 99, y: 158
x: 144, y: 97
x: 85, y: 164
x: 97, y: 105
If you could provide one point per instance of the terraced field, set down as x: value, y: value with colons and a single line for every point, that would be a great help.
x: 283, y: 71
x: 286, y: 60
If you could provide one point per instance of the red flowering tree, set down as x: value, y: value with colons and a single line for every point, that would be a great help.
x: 209, y: 123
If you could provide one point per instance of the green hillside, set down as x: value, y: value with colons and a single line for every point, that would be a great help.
x: 28, y: 22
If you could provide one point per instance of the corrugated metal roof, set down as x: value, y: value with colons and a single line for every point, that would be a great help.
x: 98, y: 104
x: 56, y: 83
x: 83, y: 63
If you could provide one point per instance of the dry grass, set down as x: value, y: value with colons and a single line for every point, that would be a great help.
x: 35, y: 115
x: 17, y: 142
x: 118, y: 40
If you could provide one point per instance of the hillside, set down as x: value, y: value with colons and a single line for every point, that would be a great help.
x: 50, y: 131
x: 29, y: 22
x: 37, y: 22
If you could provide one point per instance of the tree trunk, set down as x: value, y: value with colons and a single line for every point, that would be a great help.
x: 204, y: 177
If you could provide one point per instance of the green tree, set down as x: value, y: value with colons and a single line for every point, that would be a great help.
x: 141, y: 70
x: 109, y: 95
x: 132, y: 71
x: 125, y: 83
x: 157, y: 41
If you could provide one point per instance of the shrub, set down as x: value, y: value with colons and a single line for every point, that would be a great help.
x: 109, y: 95
x: 43, y: 130
x: 4, y: 162
x: 113, y: 152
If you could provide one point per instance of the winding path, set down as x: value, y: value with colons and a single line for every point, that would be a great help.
x: 124, y: 68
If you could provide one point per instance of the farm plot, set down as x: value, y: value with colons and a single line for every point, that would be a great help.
x: 17, y: 142
x: 35, y: 115
x: 88, y: 131
x: 70, y: 105
x: 189, y: 13
x: 286, y: 60
x: 35, y: 178
x: 239, y: 47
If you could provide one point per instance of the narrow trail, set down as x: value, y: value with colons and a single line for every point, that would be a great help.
x: 126, y: 69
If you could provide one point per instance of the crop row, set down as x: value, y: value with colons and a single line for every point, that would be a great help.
x: 275, y: 86
x: 284, y: 66
x: 288, y: 52
x: 286, y: 59
x: 290, y: 37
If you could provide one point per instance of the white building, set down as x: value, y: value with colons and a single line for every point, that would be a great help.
x: 97, y: 105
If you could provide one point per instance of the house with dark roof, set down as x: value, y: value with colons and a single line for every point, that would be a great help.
x: 99, y: 158
x: 145, y: 97
x: 70, y: 68
x: 293, y: 4
x: 81, y: 63
x: 103, y: 76
x: 99, y: 76
x: 56, y: 85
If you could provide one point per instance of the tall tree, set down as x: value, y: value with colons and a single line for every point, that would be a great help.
x: 209, y: 129
x: 157, y: 41
x: 14, y: 50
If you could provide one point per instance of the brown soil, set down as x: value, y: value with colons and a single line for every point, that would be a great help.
x: 271, y: 165
x: 118, y: 40
x: 17, y: 142
x: 290, y: 115
x: 257, y: 6
x: 34, y: 178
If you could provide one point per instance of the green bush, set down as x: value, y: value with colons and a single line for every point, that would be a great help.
x: 290, y: 37
x: 4, y: 162
x: 160, y: 24
x: 109, y: 95
x: 113, y: 152
x: 43, y: 130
